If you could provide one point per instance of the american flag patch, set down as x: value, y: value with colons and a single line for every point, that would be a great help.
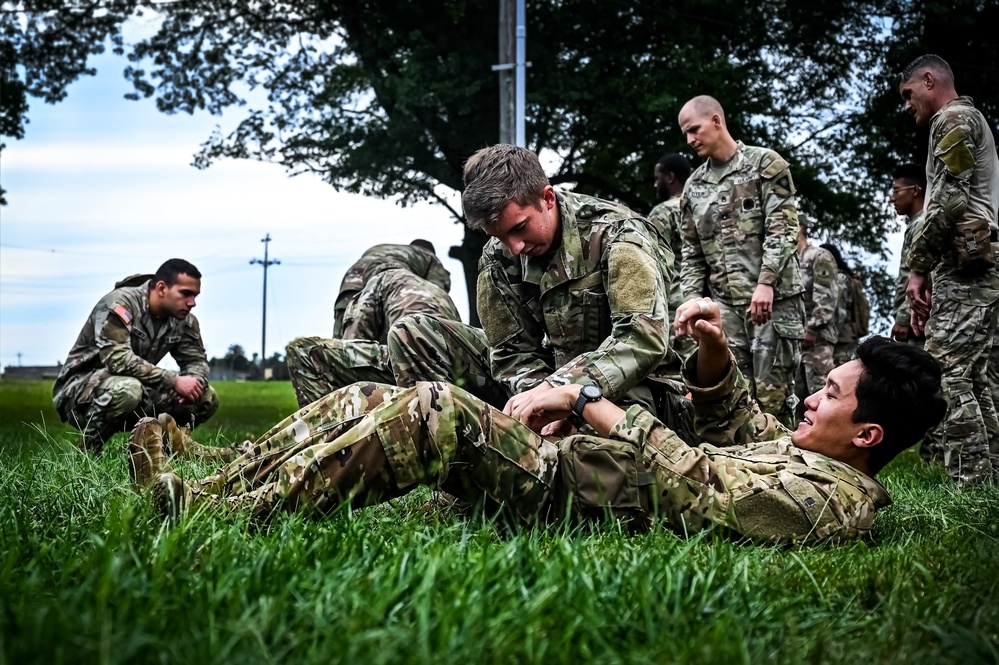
x: 123, y: 314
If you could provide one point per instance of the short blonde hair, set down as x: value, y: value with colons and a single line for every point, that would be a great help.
x: 497, y: 176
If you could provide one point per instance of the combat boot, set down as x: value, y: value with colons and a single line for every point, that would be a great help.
x: 171, y: 496
x: 147, y: 454
x: 182, y: 445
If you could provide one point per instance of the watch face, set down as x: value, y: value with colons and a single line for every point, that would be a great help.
x: 591, y: 392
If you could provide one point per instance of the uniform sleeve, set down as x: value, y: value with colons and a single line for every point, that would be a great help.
x: 114, y: 344
x: 761, y: 501
x: 726, y: 414
x: 693, y: 266
x: 518, y: 357
x: 365, y: 318
x: 948, y: 191
x: 900, y: 306
x: 190, y: 352
x: 439, y: 275
x: 781, y: 234
x: 825, y: 293
x: 636, y: 278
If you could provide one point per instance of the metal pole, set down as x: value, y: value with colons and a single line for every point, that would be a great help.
x: 507, y: 73
x: 521, y: 73
x: 263, y: 324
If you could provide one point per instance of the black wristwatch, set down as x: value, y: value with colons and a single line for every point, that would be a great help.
x: 587, y: 394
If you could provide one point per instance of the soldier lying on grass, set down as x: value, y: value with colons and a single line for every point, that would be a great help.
x: 370, y: 442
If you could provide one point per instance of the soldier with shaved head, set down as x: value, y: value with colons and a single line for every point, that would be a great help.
x: 740, y: 234
x: 953, y: 285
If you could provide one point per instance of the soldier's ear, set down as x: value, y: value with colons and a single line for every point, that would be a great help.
x: 870, y: 436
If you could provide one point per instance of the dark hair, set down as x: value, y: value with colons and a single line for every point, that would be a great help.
x: 676, y: 164
x: 425, y: 244
x: 929, y: 61
x: 169, y: 271
x: 899, y: 390
x: 912, y: 174
x: 840, y: 261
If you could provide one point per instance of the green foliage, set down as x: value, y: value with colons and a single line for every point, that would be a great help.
x: 89, y: 573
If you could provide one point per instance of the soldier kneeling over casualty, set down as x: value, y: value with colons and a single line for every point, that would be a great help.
x: 369, y: 442
x: 110, y: 379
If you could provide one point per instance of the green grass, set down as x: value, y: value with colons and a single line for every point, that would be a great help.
x: 88, y: 573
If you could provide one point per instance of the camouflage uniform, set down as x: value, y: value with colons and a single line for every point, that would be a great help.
x: 421, y: 262
x: 368, y: 443
x: 900, y: 307
x: 962, y: 173
x: 595, y: 310
x: 818, y: 276
x: 740, y: 229
x: 110, y: 378
x: 666, y: 218
x: 318, y: 366
x: 847, y: 339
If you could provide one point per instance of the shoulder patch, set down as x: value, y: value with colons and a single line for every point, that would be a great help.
x: 774, y: 168
x: 123, y: 313
x: 954, y: 152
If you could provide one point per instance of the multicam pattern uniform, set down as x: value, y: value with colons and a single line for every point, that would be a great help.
x: 962, y: 173
x: 595, y: 311
x: 421, y: 262
x: 110, y: 378
x: 847, y: 340
x: 368, y: 442
x: 665, y: 217
x: 900, y: 306
x: 740, y: 230
x: 318, y: 366
x: 818, y: 276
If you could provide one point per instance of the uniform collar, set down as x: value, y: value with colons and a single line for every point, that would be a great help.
x: 565, y: 263
x: 714, y: 174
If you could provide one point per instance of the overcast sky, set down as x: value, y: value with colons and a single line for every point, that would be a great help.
x: 102, y: 187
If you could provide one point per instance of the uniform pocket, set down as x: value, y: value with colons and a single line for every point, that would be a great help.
x: 602, y: 477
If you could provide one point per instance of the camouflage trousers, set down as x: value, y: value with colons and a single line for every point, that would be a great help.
x: 118, y: 402
x: 768, y: 355
x: 370, y: 442
x: 318, y: 366
x: 428, y: 348
x: 816, y: 363
x: 844, y: 352
x: 960, y: 336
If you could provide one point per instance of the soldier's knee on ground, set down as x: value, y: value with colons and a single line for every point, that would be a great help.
x: 119, y: 396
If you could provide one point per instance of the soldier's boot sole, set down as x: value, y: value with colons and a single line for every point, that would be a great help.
x: 171, y: 496
x: 147, y: 455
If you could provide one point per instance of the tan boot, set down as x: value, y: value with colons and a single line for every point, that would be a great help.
x: 182, y: 445
x: 147, y: 456
x: 173, y: 496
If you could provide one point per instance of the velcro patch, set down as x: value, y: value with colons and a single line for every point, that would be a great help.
x: 954, y: 152
x: 123, y: 314
x: 632, y: 280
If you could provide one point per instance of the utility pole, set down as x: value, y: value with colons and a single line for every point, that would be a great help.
x: 18, y: 358
x: 263, y: 324
x: 512, y: 71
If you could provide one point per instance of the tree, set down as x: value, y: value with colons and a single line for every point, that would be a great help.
x: 389, y: 99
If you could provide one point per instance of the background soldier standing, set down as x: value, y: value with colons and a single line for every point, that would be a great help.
x: 818, y: 276
x: 318, y: 366
x: 670, y: 175
x: 853, y: 309
x: 740, y: 231
x: 418, y: 257
x: 908, y: 196
x: 954, y: 252
x: 110, y: 379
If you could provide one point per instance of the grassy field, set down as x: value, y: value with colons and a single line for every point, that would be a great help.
x: 88, y: 573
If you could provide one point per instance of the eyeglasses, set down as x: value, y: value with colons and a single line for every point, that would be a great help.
x: 895, y: 191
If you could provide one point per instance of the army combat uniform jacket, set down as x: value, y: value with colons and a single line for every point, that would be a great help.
x: 740, y: 228
x: 390, y: 295
x: 122, y: 338
x: 419, y: 261
x: 595, y: 310
x: 821, y: 290
x: 900, y: 306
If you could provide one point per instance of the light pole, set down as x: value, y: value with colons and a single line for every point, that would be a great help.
x: 263, y: 324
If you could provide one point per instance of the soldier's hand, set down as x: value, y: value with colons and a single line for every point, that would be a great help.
x: 900, y: 333
x: 918, y: 324
x: 189, y: 388
x: 701, y: 319
x: 809, y: 341
x: 917, y: 291
x: 559, y: 429
x: 761, y: 308
x: 542, y: 405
